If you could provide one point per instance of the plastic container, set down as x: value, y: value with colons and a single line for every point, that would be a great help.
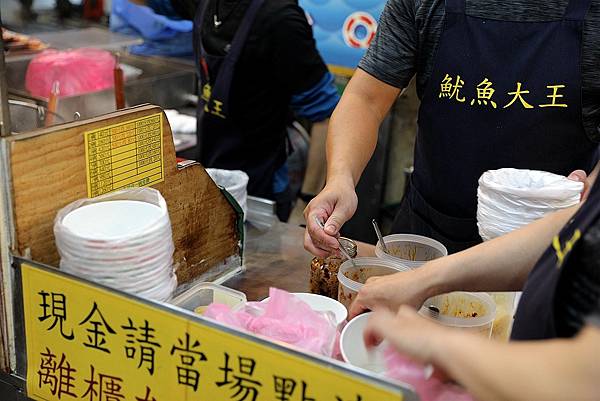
x: 410, y: 250
x: 505, y: 311
x: 352, y: 278
x: 197, y: 298
x: 354, y: 352
x: 323, y: 272
x: 472, y: 311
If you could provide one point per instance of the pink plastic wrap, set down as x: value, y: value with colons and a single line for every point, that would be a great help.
x: 77, y: 72
x: 282, y: 318
x: 429, y: 389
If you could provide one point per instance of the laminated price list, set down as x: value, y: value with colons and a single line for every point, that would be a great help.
x: 125, y: 155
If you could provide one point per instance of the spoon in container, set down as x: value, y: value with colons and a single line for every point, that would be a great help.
x: 379, y: 236
x: 434, y: 311
x: 342, y: 249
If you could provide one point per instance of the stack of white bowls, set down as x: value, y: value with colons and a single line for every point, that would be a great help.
x: 122, y: 240
x: 511, y: 198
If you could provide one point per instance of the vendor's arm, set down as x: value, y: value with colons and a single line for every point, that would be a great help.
x: 501, y: 264
x: 387, y: 67
x: 542, y: 370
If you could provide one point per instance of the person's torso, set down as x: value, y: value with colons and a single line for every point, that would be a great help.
x: 252, y: 136
x: 563, y: 289
x: 500, y: 94
x: 429, y: 17
x: 259, y: 102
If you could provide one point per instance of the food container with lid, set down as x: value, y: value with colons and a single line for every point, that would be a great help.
x: 410, y: 250
x: 197, y: 298
x: 353, y: 276
x: 472, y: 311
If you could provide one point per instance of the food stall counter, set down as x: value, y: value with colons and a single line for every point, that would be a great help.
x: 275, y: 257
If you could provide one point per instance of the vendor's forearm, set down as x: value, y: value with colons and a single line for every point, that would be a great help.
x: 354, y: 126
x: 502, y: 264
x: 544, y: 370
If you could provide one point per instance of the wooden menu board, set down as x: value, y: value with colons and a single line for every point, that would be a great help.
x: 49, y: 170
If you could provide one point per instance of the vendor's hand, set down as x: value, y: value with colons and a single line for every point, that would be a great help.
x: 389, y: 292
x: 334, y: 206
x: 408, y: 332
x: 588, y: 181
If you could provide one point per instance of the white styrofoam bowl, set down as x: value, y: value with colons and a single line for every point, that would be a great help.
x: 353, y: 347
x: 112, y: 219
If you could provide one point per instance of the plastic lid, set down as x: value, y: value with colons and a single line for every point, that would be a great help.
x: 204, y: 294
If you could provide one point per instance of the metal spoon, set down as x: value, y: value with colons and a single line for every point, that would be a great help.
x: 434, y: 311
x: 379, y: 236
x: 342, y: 249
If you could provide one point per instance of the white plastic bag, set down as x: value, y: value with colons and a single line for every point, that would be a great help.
x: 235, y: 182
x: 511, y: 198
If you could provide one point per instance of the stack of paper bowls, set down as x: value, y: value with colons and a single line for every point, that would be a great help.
x: 122, y: 240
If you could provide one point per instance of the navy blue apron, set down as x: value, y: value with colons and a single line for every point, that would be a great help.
x: 221, y: 142
x: 535, y: 318
x: 501, y: 94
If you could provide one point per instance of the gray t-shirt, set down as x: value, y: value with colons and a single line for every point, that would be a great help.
x: 409, y: 32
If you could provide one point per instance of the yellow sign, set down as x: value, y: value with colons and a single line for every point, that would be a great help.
x: 84, y: 342
x: 125, y: 155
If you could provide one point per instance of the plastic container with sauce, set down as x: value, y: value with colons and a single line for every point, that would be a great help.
x: 197, y: 298
x: 323, y: 272
x: 352, y: 278
x: 410, y: 250
x: 472, y: 311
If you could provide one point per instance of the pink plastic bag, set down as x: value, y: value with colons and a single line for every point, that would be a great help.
x: 282, y: 318
x: 77, y: 72
x: 429, y: 389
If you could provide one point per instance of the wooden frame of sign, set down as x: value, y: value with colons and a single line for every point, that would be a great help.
x: 48, y: 171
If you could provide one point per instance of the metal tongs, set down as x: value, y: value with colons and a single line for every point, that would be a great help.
x: 342, y: 249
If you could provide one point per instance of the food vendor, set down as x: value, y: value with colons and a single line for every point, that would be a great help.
x: 560, y: 304
x: 256, y: 60
x: 502, y: 84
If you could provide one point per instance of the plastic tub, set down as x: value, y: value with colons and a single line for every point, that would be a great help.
x: 410, y: 250
x: 505, y: 310
x: 472, y: 311
x: 354, y: 351
x: 352, y: 278
x: 197, y: 298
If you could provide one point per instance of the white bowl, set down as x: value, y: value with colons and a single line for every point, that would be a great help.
x: 353, y: 347
x: 112, y: 219
x: 320, y: 303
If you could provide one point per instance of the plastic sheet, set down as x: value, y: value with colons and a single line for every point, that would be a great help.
x: 282, y: 318
x: 77, y: 71
x: 429, y: 388
x: 509, y: 198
